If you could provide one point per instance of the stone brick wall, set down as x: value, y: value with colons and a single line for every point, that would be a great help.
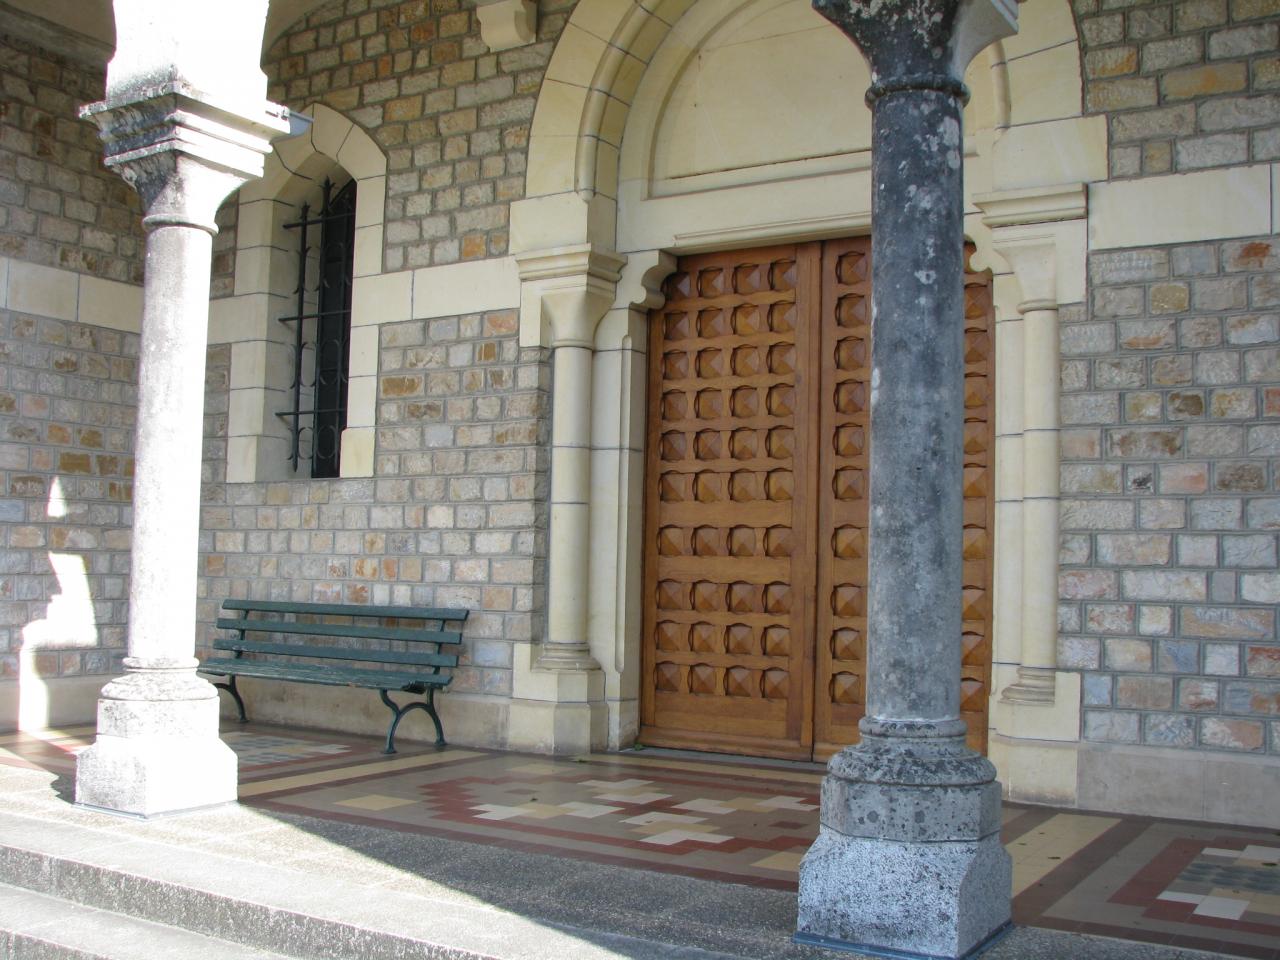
x: 1171, y: 496
x: 452, y: 117
x: 1185, y: 85
x: 456, y: 515
x: 67, y: 406
x: 59, y: 206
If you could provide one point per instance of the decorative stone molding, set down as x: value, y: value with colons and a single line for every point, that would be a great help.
x: 505, y: 24
x: 565, y: 291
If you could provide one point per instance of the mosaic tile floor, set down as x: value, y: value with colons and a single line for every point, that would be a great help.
x: 1200, y: 886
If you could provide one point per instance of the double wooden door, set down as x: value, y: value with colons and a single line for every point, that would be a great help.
x: 756, y: 502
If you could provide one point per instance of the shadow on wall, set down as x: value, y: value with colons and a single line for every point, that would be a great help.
x: 69, y: 624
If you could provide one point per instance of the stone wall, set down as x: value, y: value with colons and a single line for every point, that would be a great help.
x: 456, y: 516
x: 1185, y: 85
x: 1171, y: 496
x: 67, y: 407
x: 452, y: 117
x: 59, y: 206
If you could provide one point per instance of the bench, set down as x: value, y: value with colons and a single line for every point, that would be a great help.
x: 408, y: 670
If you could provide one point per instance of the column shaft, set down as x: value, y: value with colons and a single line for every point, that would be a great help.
x: 166, y: 492
x: 917, y: 408
x: 569, y: 566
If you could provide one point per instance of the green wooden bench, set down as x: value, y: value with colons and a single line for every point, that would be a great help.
x: 408, y: 670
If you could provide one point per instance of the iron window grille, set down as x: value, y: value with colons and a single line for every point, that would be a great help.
x: 321, y: 329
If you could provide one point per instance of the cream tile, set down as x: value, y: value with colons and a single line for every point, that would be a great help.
x: 329, y: 131
x: 577, y: 57
x: 1207, y: 205
x: 357, y: 452
x: 108, y: 303
x: 371, y: 201
x: 385, y: 298
x: 360, y: 156
x: 43, y: 291
x: 470, y: 287
x: 368, y: 252
x: 257, y: 788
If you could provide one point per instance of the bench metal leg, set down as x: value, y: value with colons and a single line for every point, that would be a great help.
x: 399, y: 712
x: 230, y: 687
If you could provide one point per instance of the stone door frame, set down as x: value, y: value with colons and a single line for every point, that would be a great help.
x: 1026, y: 213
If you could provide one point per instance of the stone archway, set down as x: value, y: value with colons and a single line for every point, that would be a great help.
x: 596, y: 182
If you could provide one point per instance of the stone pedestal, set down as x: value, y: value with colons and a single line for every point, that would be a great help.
x: 157, y: 749
x: 908, y: 860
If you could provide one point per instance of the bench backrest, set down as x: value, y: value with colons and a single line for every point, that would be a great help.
x: 276, y: 624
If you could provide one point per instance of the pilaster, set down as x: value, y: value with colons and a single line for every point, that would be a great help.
x: 184, y: 150
x: 908, y: 858
x: 558, y: 705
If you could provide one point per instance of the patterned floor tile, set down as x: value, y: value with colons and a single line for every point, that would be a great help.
x: 1191, y: 885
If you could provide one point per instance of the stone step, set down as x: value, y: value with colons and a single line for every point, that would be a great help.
x: 108, y: 875
x: 39, y: 927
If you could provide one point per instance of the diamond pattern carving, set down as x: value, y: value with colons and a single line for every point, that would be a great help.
x: 671, y: 635
x: 676, y: 326
x: 737, y: 682
x: 775, y: 684
x: 739, y: 639
x: 703, y: 638
x: 666, y: 676
x: 702, y: 679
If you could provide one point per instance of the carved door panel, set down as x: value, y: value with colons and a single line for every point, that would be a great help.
x: 730, y: 506
x: 844, y: 430
x: 756, y: 510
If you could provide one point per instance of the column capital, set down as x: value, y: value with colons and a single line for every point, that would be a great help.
x: 914, y: 44
x: 184, y: 151
x: 571, y: 289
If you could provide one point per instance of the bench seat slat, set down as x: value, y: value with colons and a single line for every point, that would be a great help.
x: 339, y: 653
x: 347, y: 609
x: 326, y: 675
x: 340, y: 630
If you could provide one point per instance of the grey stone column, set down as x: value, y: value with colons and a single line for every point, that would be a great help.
x: 157, y: 749
x: 908, y: 858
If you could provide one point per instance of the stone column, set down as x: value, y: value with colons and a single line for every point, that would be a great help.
x: 908, y: 857
x: 184, y: 150
x: 1034, y: 265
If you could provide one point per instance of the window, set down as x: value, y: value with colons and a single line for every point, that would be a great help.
x: 321, y: 331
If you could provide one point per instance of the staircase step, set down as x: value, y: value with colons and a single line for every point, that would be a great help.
x: 258, y: 907
x: 40, y: 927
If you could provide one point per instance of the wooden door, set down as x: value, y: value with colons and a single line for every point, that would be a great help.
x: 730, y: 510
x: 756, y: 513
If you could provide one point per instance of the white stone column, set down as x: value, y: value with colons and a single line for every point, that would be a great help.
x: 1034, y: 265
x: 559, y: 702
x: 184, y: 150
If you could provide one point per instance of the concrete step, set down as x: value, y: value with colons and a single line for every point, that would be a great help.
x: 109, y: 878
x: 39, y: 927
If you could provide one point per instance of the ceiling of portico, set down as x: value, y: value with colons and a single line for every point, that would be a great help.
x: 95, y: 20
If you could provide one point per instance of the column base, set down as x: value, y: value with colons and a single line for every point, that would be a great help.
x: 160, y: 755
x: 908, y: 860
x: 887, y: 897
x: 560, y: 729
